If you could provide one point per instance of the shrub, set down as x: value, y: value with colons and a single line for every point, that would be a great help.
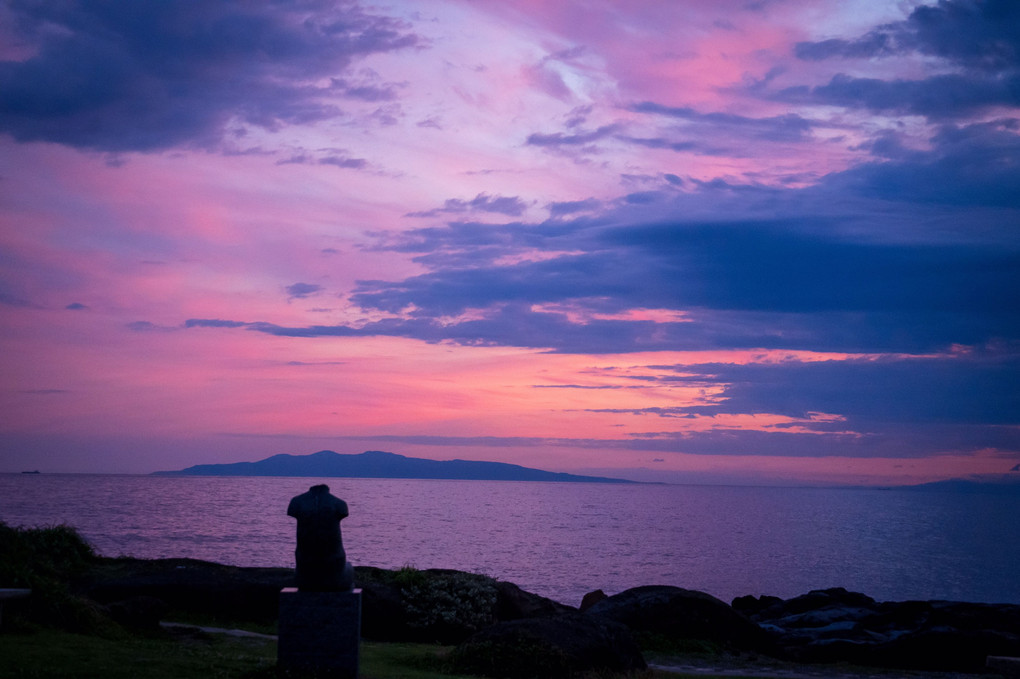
x: 448, y: 606
x: 28, y: 555
x: 46, y: 560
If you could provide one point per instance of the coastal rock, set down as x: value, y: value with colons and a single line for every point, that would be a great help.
x: 190, y: 585
x: 440, y: 605
x: 679, y: 613
x: 592, y: 598
x: 945, y: 649
x: 561, y: 646
x: 819, y: 599
x: 835, y: 625
x: 404, y: 605
x: 513, y: 603
x: 749, y: 605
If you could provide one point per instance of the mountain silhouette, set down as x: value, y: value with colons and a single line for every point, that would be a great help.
x: 381, y: 465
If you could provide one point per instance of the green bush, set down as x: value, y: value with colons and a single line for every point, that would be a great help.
x: 28, y: 555
x: 448, y: 605
x: 46, y: 560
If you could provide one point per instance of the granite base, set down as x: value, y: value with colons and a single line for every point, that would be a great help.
x: 319, y: 633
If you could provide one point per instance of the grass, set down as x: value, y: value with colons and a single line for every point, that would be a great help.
x: 56, y: 654
x: 65, y: 655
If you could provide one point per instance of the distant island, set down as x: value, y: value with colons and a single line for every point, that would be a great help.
x: 375, y: 464
x: 1003, y: 484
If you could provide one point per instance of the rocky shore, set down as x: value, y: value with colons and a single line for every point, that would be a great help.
x: 491, y: 621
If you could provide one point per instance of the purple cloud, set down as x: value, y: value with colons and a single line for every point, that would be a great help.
x: 980, y: 41
x: 511, y: 206
x: 301, y: 290
x: 119, y: 76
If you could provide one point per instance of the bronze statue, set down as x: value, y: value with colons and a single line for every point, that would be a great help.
x: 321, y: 561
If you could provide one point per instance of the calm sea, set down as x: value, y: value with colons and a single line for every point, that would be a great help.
x: 563, y: 540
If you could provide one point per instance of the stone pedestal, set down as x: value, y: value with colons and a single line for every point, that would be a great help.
x: 319, y: 633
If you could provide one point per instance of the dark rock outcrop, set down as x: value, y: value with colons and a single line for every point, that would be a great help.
x: 678, y: 613
x: 749, y: 605
x: 592, y: 598
x: 560, y: 646
x: 513, y: 603
x: 823, y: 626
x: 406, y: 605
x: 190, y: 586
x: 835, y: 625
x: 441, y: 605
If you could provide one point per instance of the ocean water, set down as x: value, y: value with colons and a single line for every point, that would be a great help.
x: 563, y: 540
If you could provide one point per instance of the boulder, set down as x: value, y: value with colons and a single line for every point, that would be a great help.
x: 441, y: 605
x: 678, y: 613
x: 749, y: 605
x: 945, y: 649
x: 513, y: 603
x: 592, y: 598
x: 814, y: 600
x: 190, y: 586
x: 835, y: 625
x: 561, y: 646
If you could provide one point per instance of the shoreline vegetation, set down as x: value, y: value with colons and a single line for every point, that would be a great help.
x: 91, y: 616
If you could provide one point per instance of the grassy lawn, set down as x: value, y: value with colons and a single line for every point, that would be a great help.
x: 50, y: 654
x: 58, y: 654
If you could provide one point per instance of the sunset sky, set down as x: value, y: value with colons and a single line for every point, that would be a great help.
x: 737, y: 241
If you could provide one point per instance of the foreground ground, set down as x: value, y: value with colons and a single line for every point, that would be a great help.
x: 186, y: 653
x: 95, y: 617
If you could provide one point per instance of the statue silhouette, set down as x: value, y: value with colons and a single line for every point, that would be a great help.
x: 321, y: 561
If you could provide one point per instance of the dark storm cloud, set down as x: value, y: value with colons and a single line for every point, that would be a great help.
x: 130, y: 76
x: 980, y: 40
x: 511, y: 206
